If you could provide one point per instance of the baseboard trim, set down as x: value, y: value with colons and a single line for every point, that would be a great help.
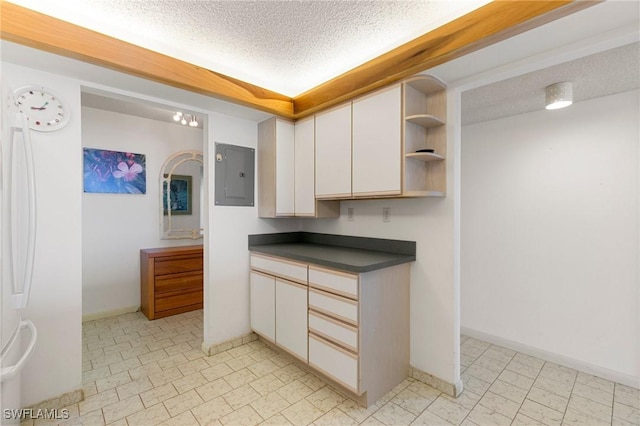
x: 576, y: 364
x: 216, y: 348
x: 111, y: 313
x: 451, y: 389
x: 59, y: 402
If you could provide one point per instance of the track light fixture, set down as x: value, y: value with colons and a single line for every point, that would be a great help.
x: 185, y: 119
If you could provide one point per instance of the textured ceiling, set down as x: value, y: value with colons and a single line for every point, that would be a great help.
x: 286, y: 46
x: 605, y: 73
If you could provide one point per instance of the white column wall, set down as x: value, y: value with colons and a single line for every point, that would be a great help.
x: 226, y: 243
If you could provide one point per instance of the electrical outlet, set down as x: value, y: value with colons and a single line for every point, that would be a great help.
x: 350, y: 217
x: 386, y: 214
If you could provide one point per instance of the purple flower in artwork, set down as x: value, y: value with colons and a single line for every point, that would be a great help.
x: 114, y: 172
x: 126, y: 172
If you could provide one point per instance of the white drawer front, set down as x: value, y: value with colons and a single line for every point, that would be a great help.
x: 336, y: 306
x: 341, y: 333
x: 333, y: 361
x: 282, y: 268
x: 339, y: 283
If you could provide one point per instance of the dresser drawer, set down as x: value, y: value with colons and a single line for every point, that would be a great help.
x: 335, y: 306
x: 292, y: 271
x: 336, y: 362
x: 333, y: 281
x: 179, y: 300
x: 336, y: 331
x: 188, y: 281
x: 177, y: 264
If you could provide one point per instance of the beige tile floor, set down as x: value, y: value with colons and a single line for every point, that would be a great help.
x: 140, y: 372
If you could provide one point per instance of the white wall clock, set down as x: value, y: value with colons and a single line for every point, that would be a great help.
x: 44, y: 110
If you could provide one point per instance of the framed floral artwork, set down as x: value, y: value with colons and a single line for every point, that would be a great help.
x: 114, y: 172
x: 180, y: 193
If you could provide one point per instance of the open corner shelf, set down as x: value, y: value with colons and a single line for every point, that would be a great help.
x: 425, y: 120
x: 426, y: 84
x: 424, y: 112
x: 421, y: 194
x: 425, y: 156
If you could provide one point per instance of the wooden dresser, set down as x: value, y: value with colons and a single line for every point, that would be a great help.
x: 170, y: 280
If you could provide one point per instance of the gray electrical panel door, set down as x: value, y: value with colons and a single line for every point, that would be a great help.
x: 234, y: 171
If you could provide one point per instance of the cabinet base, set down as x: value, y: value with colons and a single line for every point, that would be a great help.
x: 362, y: 400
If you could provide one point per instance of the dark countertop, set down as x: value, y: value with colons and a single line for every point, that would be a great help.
x: 353, y: 254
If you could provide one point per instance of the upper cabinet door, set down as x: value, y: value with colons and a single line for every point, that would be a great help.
x: 377, y: 143
x: 333, y: 153
x: 305, y: 200
x: 284, y: 168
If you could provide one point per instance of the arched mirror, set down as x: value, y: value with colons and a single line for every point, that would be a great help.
x: 181, y: 196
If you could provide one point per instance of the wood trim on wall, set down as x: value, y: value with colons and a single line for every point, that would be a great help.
x: 489, y: 24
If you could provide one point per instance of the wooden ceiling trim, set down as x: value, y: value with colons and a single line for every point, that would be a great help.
x: 494, y: 22
x: 480, y: 28
x: 27, y: 27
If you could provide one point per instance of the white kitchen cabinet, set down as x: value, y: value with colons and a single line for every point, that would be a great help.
x: 263, y: 305
x: 292, y: 271
x: 305, y: 203
x: 333, y: 153
x: 304, y: 187
x: 359, y: 328
x: 398, y: 143
x: 339, y: 364
x: 329, y: 328
x: 291, y: 317
x: 351, y: 327
x: 279, y: 291
x: 286, y: 171
x: 276, y: 158
x: 377, y: 144
x: 338, y: 307
x: 285, y: 164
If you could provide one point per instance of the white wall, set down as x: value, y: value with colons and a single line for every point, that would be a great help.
x: 550, y: 226
x: 55, y: 304
x: 227, y: 277
x: 116, y: 226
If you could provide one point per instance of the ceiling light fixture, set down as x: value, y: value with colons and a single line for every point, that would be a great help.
x: 559, y: 95
x: 185, y: 119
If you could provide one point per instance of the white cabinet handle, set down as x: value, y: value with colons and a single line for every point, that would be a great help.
x: 7, y: 373
x: 21, y: 156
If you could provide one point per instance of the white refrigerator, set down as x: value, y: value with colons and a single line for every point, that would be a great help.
x: 18, y: 237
